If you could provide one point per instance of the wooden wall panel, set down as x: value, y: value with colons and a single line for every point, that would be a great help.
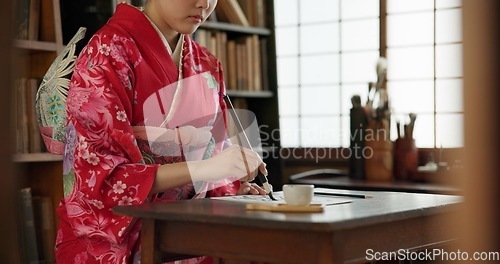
x: 8, y: 182
x: 481, y: 214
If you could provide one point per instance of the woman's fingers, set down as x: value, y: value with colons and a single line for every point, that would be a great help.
x: 258, y: 190
x: 243, y: 172
x: 263, y: 169
x: 252, y: 163
x: 252, y: 188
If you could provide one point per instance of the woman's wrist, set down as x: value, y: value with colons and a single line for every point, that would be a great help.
x: 170, y: 176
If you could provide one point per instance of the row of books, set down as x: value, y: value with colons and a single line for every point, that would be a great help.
x: 37, y: 228
x: 244, y: 59
x: 241, y: 12
x: 27, y: 19
x: 28, y: 138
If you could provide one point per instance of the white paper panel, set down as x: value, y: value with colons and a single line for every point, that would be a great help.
x: 410, y: 63
x: 450, y: 130
x: 287, y: 41
x: 310, y: 43
x: 449, y: 60
x: 398, y: 6
x: 360, y: 35
x: 312, y: 11
x: 410, y: 29
x: 448, y: 26
x: 449, y: 95
x: 286, y: 12
x: 448, y: 3
x: 358, y: 9
x: 323, y: 69
x: 289, y: 132
x: 288, y: 71
x: 411, y: 96
x: 424, y: 131
x: 288, y: 98
x: 359, y: 67
x: 320, y: 131
x: 319, y: 100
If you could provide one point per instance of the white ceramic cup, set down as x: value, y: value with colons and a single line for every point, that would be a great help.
x: 298, y: 194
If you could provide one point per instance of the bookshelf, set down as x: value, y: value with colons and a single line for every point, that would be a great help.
x: 35, y: 169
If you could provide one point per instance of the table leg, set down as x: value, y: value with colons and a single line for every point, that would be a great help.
x: 150, y: 247
x: 330, y: 249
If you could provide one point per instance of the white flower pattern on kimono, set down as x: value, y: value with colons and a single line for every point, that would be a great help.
x: 126, y: 200
x: 93, y: 159
x: 119, y: 187
x: 121, y: 116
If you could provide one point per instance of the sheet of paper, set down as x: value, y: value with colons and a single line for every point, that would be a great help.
x: 264, y: 199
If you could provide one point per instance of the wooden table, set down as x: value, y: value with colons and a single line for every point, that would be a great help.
x: 388, y: 222
x: 346, y: 183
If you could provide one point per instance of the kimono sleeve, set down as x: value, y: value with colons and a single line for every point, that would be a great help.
x: 103, y: 153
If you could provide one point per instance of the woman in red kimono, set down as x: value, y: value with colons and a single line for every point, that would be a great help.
x: 146, y: 123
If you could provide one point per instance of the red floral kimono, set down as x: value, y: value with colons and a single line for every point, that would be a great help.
x: 130, y: 108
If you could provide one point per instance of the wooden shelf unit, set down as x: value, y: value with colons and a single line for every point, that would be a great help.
x: 36, y: 45
x: 36, y: 157
x: 41, y: 172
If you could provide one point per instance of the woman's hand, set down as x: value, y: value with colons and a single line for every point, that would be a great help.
x: 250, y: 188
x: 234, y: 162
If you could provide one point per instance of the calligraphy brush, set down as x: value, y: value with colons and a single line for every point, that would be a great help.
x: 381, y: 72
x: 239, y: 126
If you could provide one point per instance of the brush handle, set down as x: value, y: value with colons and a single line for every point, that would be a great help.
x: 265, y: 182
x: 239, y: 126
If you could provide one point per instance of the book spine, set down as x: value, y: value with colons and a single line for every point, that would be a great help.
x: 29, y: 244
x: 34, y: 20
x: 22, y: 18
x: 357, y: 131
x: 45, y: 227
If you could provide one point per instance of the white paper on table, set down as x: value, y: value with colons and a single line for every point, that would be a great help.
x: 264, y: 199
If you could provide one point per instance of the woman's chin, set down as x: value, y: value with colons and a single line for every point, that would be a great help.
x: 188, y: 29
